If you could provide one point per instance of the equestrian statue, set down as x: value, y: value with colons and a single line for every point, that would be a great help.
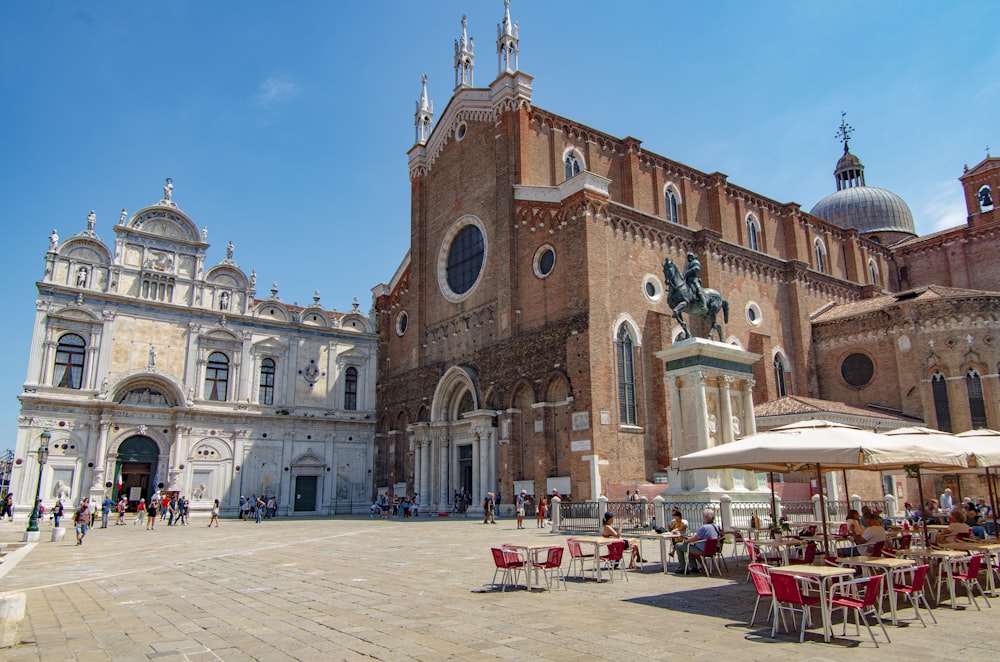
x: 688, y: 296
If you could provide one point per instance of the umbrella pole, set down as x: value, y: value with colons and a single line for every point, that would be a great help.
x: 923, y: 507
x: 847, y: 495
x: 774, y: 505
x: 993, y: 506
x: 822, y: 509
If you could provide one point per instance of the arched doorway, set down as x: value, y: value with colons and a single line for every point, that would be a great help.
x: 137, y: 460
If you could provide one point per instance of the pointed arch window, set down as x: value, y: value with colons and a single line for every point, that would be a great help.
x: 942, y: 410
x: 873, y: 272
x: 821, y: 262
x: 626, y: 377
x: 977, y: 406
x: 572, y: 163
x: 217, y: 377
x: 266, y: 392
x: 70, y: 354
x: 753, y: 233
x: 779, y: 376
x: 351, y: 389
x: 671, y: 200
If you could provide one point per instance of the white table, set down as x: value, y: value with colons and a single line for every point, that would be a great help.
x: 822, y: 574
x: 596, y: 542
x: 662, y: 539
x: 991, y: 550
x: 892, y: 568
x: 529, y: 554
x: 945, y: 556
x: 782, y: 545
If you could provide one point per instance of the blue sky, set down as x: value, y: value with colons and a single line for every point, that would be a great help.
x: 285, y: 126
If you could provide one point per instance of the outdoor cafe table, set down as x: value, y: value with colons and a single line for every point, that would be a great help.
x: 991, y: 550
x: 782, y: 545
x: 892, y: 568
x: 596, y: 541
x: 663, y: 539
x: 823, y: 574
x: 945, y: 556
x: 528, y: 554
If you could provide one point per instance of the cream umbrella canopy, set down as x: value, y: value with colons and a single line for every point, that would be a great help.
x: 935, y: 441
x: 825, y: 446
x: 984, y: 446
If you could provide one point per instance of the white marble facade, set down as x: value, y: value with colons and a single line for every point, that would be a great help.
x: 147, y: 363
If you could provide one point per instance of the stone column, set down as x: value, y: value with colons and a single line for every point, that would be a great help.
x: 701, y: 410
x: 444, y: 484
x: 749, y: 422
x: 726, y: 407
x: 477, y: 491
x: 418, y: 475
x: 47, y: 362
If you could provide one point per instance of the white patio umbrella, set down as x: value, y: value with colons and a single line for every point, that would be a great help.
x: 825, y: 446
x: 935, y: 441
x: 984, y: 446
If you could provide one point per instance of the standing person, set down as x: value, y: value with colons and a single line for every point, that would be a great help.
x: 122, y: 506
x: 416, y: 504
x: 215, y: 515
x: 185, y: 511
x: 151, y: 519
x: 244, y: 508
x: 520, y: 508
x: 488, y: 507
x: 540, y: 512
x: 140, y: 512
x: 80, y: 519
x: 171, y: 512
x: 57, y: 512
x: 106, y: 510
x: 8, y: 507
x: 165, y: 506
x: 946, y: 502
x: 258, y: 510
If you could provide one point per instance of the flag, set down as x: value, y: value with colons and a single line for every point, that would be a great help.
x: 118, y: 481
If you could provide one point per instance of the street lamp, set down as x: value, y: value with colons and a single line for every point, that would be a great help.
x: 43, y: 457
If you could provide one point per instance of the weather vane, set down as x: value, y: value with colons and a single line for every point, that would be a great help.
x: 844, y: 131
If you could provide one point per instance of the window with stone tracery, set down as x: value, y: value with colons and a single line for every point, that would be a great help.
x: 626, y: 377
x: 70, y: 355
x: 977, y: 406
x: 753, y: 233
x: 217, y: 377
x: 266, y: 391
x: 351, y: 389
x: 671, y: 199
x: 572, y: 164
x: 942, y: 408
x: 779, y: 376
x: 821, y: 265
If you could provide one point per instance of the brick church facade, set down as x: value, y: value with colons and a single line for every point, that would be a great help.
x: 517, y: 336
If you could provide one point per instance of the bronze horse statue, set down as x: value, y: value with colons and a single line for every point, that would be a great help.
x: 681, y: 299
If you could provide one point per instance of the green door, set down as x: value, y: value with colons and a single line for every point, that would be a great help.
x: 305, y: 493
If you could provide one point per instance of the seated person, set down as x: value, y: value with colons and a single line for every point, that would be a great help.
x: 864, y: 543
x: 854, y: 527
x: 956, y: 525
x: 695, y: 545
x: 677, y: 523
x: 608, y: 530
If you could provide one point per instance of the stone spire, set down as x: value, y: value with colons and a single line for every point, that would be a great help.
x: 506, y: 42
x: 464, y: 59
x: 424, y: 115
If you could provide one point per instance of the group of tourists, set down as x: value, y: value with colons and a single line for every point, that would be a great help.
x: 390, y: 505
x: 258, y: 508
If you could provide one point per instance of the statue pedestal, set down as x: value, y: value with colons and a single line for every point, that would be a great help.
x: 711, y: 403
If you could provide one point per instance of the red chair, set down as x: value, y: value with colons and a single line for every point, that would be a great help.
x: 915, y: 592
x: 614, y: 560
x: 904, y: 541
x: 831, y: 561
x: 509, y: 563
x: 848, y: 595
x: 755, y: 555
x: 963, y: 536
x: 788, y: 597
x: 576, y: 555
x: 762, y: 583
x: 970, y: 578
x: 738, y: 540
x: 551, y: 564
x: 706, y: 556
x: 807, y: 557
x: 876, y: 548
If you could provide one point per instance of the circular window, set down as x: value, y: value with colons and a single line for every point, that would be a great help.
x: 401, y: 321
x: 753, y: 314
x: 460, y: 262
x: 461, y: 130
x: 857, y: 369
x: 545, y: 261
x: 652, y: 288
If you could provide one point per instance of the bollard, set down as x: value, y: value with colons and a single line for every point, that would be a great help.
x: 12, y: 607
x: 58, y: 533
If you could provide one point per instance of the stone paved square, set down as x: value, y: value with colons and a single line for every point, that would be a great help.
x: 353, y: 589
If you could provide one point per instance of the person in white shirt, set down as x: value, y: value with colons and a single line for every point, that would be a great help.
x: 946, y: 502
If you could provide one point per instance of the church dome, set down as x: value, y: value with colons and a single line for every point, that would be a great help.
x: 866, y: 208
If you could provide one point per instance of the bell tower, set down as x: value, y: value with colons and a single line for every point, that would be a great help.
x: 981, y: 185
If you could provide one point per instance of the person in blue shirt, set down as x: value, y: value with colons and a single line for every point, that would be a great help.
x: 106, y: 510
x: 695, y: 545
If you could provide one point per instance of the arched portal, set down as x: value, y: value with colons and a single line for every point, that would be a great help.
x: 135, y: 467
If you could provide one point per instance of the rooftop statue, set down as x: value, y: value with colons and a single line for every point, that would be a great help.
x: 686, y: 295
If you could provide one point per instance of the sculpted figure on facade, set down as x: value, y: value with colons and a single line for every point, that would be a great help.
x: 168, y: 189
x: 53, y: 241
x: 91, y: 221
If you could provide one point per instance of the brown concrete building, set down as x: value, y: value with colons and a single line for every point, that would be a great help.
x: 517, y: 337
